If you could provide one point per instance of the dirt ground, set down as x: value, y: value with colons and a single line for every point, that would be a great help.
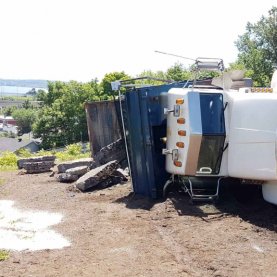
x: 114, y: 233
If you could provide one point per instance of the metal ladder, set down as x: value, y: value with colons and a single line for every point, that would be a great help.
x: 201, y: 197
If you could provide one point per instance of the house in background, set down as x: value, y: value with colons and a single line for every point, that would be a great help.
x: 7, y: 120
x: 14, y: 144
x: 8, y: 125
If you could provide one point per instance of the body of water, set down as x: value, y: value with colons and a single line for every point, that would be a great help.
x: 14, y: 91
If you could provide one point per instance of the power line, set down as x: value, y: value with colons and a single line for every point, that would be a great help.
x: 178, y: 56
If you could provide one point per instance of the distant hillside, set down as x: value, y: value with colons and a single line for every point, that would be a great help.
x: 24, y: 83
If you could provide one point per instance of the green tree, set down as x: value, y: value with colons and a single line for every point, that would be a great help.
x: 62, y: 120
x: 9, y: 110
x: 27, y: 104
x: 258, y: 48
x: 41, y: 95
x: 24, y: 119
x: 152, y: 74
x: 178, y: 72
x: 31, y: 92
x: 111, y: 77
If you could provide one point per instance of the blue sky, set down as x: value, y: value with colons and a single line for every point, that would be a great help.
x: 84, y: 39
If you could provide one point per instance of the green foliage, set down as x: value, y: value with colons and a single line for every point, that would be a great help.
x: 4, y: 255
x: 9, y: 110
x: 8, y: 159
x: 4, y: 134
x: 111, y: 77
x: 72, y: 152
x: 258, y: 48
x: 43, y: 152
x: 31, y: 92
x: 41, y: 95
x: 16, y: 98
x: 239, y: 66
x: 74, y: 149
x: 178, y: 72
x: 23, y: 153
x: 27, y: 104
x: 24, y: 118
x: 62, y: 120
x: 152, y: 74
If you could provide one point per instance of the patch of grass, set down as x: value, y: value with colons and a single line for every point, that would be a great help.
x: 71, y: 152
x: 8, y: 160
x: 63, y: 156
x: 4, y: 255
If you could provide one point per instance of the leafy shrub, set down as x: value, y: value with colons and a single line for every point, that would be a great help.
x: 8, y: 159
x: 4, y: 255
x: 72, y: 152
x: 43, y: 152
x: 74, y: 149
x: 24, y: 153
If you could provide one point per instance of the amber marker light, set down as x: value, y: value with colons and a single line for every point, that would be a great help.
x: 180, y: 144
x: 182, y: 133
x: 177, y: 163
x: 180, y: 101
x: 181, y: 120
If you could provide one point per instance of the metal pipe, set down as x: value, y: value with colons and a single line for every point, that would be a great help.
x: 124, y: 134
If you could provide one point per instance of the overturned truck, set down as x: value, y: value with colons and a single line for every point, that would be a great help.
x: 201, y: 131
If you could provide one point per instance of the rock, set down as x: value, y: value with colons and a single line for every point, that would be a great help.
x: 20, y: 162
x: 106, y: 183
x: 114, y: 151
x: 72, y: 188
x: 52, y: 174
x: 96, y: 176
x: 121, y: 174
x: 112, y: 180
x: 89, y: 162
x: 79, y: 170
x: 67, y: 178
x: 127, y: 171
x: 38, y: 167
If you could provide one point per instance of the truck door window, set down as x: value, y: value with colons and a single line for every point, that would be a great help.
x: 213, y: 133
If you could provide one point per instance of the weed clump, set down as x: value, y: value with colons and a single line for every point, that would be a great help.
x: 4, y: 255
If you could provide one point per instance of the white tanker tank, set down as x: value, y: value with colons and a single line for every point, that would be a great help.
x: 217, y: 133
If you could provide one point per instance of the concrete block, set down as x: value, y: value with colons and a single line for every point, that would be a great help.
x: 96, y: 176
